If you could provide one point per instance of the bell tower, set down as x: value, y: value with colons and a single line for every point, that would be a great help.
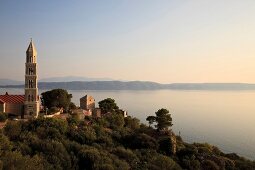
x: 31, y: 105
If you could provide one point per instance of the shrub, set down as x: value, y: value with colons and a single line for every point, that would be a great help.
x: 15, y: 160
x: 132, y: 123
x: 127, y: 155
x: 13, y: 130
x: 141, y: 141
x: 53, y: 110
x: 210, y: 165
x: 161, y: 162
x: 72, y: 106
x: 3, y: 117
x: 116, y: 121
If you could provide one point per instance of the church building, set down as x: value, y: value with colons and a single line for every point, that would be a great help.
x: 28, y: 105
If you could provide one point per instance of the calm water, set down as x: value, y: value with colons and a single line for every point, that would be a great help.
x: 222, y: 118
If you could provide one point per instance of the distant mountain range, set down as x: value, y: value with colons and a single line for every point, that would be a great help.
x: 73, y: 78
x: 136, y: 85
x: 4, y: 82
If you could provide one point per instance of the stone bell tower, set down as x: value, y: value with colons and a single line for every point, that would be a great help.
x: 31, y: 105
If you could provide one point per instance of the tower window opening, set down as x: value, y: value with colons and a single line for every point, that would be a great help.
x: 30, y: 83
x: 30, y: 71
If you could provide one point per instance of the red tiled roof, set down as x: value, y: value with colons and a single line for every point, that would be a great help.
x: 13, y: 99
x: 1, y: 101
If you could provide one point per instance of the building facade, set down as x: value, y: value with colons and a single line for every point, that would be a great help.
x: 12, y: 104
x: 31, y: 103
x: 87, y: 103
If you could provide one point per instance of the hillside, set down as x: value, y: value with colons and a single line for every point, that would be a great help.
x: 112, y: 142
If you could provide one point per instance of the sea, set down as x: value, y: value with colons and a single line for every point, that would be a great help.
x: 225, y: 119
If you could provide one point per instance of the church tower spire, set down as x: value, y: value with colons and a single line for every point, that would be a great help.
x: 31, y: 104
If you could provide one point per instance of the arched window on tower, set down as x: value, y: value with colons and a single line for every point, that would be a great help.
x: 30, y: 83
x: 30, y: 71
x: 32, y: 98
x: 31, y: 59
x: 29, y: 98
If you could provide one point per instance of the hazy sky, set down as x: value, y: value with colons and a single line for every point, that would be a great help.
x: 157, y: 40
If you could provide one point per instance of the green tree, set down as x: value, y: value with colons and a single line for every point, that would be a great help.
x: 115, y: 121
x: 83, y: 135
x: 162, y: 118
x: 108, y: 105
x: 132, y: 123
x: 58, y: 124
x: 72, y: 106
x: 151, y: 119
x: 53, y: 110
x: 56, y: 98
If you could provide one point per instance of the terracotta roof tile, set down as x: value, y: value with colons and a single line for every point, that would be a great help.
x: 13, y: 99
x: 1, y: 101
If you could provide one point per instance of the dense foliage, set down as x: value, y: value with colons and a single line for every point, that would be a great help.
x: 56, y: 98
x: 3, y: 117
x: 163, y: 119
x: 107, y: 143
x: 108, y: 106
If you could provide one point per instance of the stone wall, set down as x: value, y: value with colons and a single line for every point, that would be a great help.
x: 16, y: 109
x: 87, y: 103
x: 31, y: 109
x: 96, y: 112
x: 2, y: 109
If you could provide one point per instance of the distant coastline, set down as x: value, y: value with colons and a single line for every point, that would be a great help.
x: 137, y: 85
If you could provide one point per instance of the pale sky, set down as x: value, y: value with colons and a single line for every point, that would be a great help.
x: 164, y: 41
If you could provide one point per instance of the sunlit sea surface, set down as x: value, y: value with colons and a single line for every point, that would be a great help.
x: 222, y: 118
